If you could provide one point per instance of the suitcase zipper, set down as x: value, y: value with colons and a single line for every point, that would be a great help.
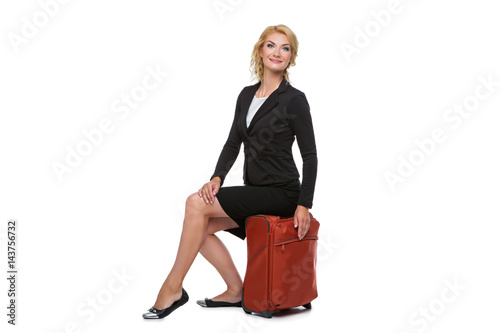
x: 271, y: 262
x: 269, y: 276
x: 294, y: 240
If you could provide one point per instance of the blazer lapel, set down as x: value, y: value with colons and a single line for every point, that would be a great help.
x: 269, y: 104
x: 246, y: 100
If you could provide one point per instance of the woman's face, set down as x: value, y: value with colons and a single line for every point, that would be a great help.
x: 276, y: 52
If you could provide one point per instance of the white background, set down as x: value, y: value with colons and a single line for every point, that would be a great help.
x: 384, y: 256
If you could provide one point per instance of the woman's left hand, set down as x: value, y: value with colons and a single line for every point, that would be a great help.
x: 302, y: 220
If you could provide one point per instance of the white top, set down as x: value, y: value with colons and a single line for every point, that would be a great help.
x: 254, y: 106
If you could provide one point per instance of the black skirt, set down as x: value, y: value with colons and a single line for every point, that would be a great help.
x: 240, y: 202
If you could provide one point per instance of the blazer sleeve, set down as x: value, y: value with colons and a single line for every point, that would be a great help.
x: 301, y: 124
x: 231, y: 148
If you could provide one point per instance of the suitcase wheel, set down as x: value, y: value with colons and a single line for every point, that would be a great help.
x: 265, y: 314
x: 307, y: 306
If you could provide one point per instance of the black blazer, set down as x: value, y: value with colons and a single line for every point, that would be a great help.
x: 268, y: 141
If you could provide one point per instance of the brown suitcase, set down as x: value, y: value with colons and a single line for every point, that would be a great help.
x: 281, y: 269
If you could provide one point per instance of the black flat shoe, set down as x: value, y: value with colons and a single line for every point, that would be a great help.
x: 154, y: 313
x: 208, y: 303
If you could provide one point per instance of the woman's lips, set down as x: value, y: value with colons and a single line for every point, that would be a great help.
x: 275, y: 61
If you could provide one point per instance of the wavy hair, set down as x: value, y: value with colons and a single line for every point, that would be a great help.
x: 256, y: 63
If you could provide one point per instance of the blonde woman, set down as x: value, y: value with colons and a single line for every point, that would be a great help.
x: 269, y: 116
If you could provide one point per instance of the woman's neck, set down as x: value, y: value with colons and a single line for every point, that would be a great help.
x: 270, y: 82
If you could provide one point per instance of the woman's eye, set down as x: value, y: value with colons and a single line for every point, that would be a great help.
x: 270, y: 45
x: 286, y: 49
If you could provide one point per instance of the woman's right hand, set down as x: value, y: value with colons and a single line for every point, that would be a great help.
x: 209, y: 190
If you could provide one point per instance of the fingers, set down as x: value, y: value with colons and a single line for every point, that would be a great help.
x: 208, y: 192
x: 215, y: 190
x: 303, y: 229
x: 303, y: 225
x: 202, y: 193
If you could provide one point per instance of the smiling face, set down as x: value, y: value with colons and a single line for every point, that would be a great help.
x: 275, y: 52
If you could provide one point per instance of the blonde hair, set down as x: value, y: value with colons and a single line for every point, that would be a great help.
x: 256, y: 63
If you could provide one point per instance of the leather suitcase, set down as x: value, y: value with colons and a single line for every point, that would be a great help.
x: 281, y: 269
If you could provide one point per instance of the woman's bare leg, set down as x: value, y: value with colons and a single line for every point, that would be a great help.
x: 217, y: 254
x: 194, y: 233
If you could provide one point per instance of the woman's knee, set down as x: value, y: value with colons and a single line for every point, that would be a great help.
x: 192, y: 201
x: 196, y: 205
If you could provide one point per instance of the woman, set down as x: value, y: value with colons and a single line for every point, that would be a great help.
x: 269, y: 116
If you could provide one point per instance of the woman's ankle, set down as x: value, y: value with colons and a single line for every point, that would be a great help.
x: 234, y: 290
x: 167, y: 296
